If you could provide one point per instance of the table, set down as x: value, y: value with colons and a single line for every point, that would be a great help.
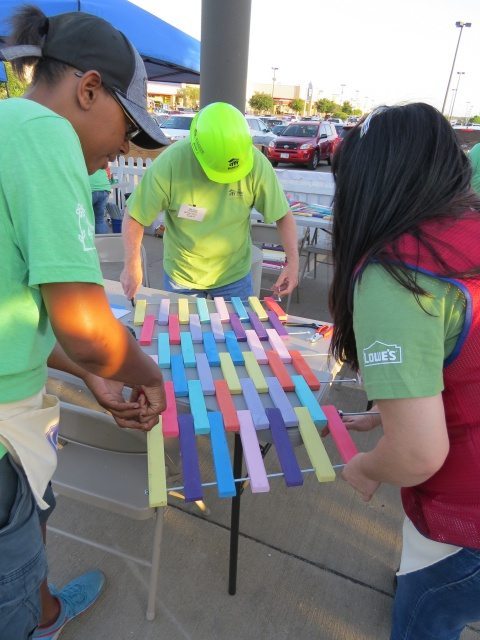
x: 298, y: 340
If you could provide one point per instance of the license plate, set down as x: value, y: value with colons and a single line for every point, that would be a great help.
x: 284, y: 155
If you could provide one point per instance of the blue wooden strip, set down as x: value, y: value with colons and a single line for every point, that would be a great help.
x: 257, y: 325
x: 221, y: 456
x: 203, y: 310
x: 179, y: 377
x: 281, y: 401
x: 195, y: 328
x: 286, y: 455
x: 210, y: 349
x: 198, y: 408
x: 239, y: 308
x: 254, y: 404
x: 233, y: 348
x: 192, y: 482
x: 205, y: 374
x: 308, y: 399
x: 163, y: 349
x: 188, y: 352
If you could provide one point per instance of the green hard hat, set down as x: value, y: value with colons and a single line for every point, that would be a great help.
x: 222, y: 143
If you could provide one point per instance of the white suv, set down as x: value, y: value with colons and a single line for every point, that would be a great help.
x: 260, y: 133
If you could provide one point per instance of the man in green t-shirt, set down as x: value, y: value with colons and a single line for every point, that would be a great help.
x: 207, y: 186
x: 85, y: 102
x: 474, y: 156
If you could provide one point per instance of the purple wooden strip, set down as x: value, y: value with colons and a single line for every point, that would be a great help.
x: 257, y: 325
x: 163, y: 311
x: 237, y: 327
x: 217, y: 328
x: 255, y: 347
x: 195, y: 328
x: 280, y: 400
x: 279, y: 346
x: 221, y: 309
x: 205, y: 374
x: 192, y: 483
x: 254, y: 404
x: 276, y: 324
x: 251, y: 451
x: 286, y: 455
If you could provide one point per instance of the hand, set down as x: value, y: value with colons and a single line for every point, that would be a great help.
x: 131, y: 278
x: 365, y: 422
x: 152, y: 402
x: 287, y: 281
x: 354, y: 475
x: 109, y: 395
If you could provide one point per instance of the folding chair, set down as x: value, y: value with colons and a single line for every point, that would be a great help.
x: 110, y: 250
x: 320, y: 249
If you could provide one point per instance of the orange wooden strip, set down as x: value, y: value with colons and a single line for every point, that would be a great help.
x: 276, y: 308
x: 304, y: 370
x: 280, y: 371
x: 174, y: 328
x: 225, y: 403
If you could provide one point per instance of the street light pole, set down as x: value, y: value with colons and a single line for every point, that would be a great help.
x: 459, y: 25
x: 341, y: 94
x: 460, y: 74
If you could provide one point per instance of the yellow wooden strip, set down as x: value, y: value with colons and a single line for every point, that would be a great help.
x: 229, y: 373
x: 256, y: 305
x: 314, y: 446
x: 254, y: 372
x: 157, y: 480
x: 140, y: 309
x: 183, y: 315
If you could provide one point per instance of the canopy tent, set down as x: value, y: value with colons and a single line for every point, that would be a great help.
x: 169, y: 54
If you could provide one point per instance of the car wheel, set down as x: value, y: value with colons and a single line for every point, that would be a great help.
x: 274, y: 163
x: 313, y: 164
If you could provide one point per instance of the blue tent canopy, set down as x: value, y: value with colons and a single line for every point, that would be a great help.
x: 169, y: 54
x: 3, y: 74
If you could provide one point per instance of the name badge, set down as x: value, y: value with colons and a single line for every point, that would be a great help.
x: 190, y: 212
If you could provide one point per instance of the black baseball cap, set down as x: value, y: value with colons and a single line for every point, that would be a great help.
x: 87, y: 43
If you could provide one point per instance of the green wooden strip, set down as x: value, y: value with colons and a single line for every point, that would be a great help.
x: 157, y: 480
x: 314, y: 446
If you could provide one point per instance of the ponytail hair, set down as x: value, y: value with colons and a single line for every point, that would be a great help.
x: 29, y: 26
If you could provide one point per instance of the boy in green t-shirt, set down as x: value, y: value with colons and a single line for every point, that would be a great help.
x: 85, y: 103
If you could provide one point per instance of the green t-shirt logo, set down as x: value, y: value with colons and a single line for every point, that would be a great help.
x: 86, y: 233
x: 381, y: 353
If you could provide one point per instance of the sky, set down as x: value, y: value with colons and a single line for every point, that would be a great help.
x: 383, y: 52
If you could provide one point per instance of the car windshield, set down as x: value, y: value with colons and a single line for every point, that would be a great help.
x: 177, y: 122
x: 301, y: 130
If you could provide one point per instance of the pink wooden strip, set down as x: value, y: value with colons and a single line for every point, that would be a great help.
x: 146, y: 333
x: 279, y: 346
x: 169, y: 416
x: 217, y: 328
x: 163, y: 312
x: 222, y: 309
x: 255, y: 347
x: 276, y: 324
x: 342, y: 438
x: 174, y: 328
x: 253, y: 457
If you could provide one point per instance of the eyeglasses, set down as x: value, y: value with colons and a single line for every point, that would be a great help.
x: 132, y: 129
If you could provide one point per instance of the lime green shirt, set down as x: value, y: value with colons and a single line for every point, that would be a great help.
x: 215, y: 251
x: 474, y: 156
x: 46, y: 235
x: 99, y: 181
x: 400, y: 347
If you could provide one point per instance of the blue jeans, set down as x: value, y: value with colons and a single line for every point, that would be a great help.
x: 23, y: 561
x: 240, y: 289
x: 436, y: 603
x: 99, y: 201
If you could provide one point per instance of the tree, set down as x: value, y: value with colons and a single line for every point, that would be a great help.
x: 347, y: 107
x: 261, y: 102
x: 475, y: 119
x: 297, y: 105
x: 190, y: 96
x: 325, y: 106
x: 14, y: 87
